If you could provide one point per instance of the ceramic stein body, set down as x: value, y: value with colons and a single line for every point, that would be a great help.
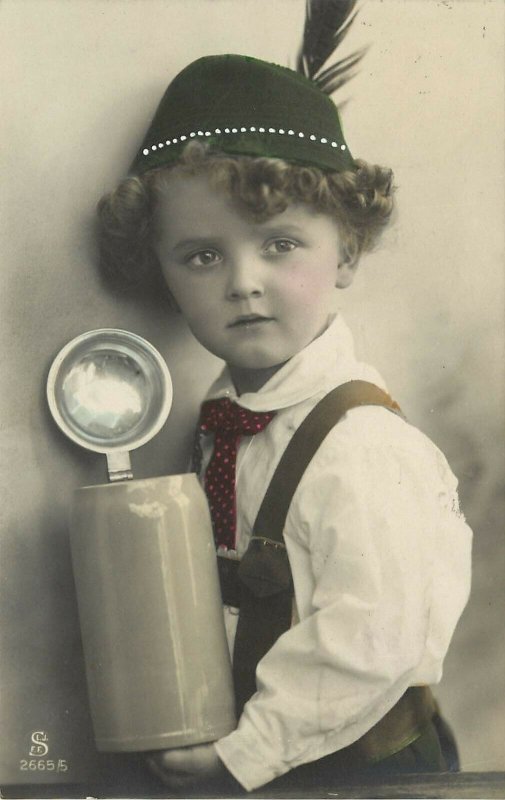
x: 157, y: 661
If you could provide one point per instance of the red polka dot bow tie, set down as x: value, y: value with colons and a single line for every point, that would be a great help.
x: 229, y: 422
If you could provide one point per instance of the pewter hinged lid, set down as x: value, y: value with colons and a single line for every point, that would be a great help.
x: 110, y: 391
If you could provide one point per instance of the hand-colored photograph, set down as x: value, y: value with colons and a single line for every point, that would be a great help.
x: 253, y: 399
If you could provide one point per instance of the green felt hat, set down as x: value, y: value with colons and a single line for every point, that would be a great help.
x: 244, y: 106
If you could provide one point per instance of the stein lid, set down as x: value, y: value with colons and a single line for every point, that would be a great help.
x: 110, y: 391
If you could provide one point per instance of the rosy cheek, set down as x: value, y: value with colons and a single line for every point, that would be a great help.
x: 310, y: 284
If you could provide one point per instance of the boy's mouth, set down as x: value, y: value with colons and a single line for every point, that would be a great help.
x: 247, y: 320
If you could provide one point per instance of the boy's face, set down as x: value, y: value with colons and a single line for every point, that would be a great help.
x: 253, y: 294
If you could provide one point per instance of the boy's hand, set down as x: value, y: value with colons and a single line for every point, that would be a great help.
x: 186, y: 767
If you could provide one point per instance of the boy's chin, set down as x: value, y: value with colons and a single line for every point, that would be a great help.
x: 257, y: 361
x: 256, y: 365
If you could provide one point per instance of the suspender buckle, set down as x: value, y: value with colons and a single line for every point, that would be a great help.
x: 264, y: 568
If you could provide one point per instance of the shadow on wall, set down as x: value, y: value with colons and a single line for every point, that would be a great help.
x: 466, y: 420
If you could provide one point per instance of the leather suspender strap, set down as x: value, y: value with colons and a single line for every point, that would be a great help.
x: 265, y: 582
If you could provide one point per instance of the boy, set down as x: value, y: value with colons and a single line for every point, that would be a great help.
x: 245, y: 199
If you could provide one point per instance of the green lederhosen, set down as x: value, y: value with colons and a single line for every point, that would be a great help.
x: 261, y: 586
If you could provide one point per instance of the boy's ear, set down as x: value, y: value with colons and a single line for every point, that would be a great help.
x: 346, y: 270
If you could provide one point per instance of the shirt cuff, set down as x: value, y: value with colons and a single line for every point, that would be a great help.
x: 248, y: 760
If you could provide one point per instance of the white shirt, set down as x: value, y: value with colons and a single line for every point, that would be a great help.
x: 380, y: 557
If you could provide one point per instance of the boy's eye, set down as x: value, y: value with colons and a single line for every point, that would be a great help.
x: 280, y: 246
x: 204, y: 258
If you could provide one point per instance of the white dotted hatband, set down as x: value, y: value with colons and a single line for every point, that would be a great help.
x: 252, y: 129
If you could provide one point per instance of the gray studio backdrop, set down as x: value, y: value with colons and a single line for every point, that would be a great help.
x: 80, y: 79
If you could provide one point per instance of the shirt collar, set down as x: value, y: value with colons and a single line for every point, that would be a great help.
x: 324, y: 363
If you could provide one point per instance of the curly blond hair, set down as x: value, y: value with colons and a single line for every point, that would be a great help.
x: 361, y: 202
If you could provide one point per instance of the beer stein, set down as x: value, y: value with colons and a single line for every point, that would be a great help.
x: 157, y: 662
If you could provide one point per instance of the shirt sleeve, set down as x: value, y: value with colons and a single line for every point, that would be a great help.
x: 380, y: 562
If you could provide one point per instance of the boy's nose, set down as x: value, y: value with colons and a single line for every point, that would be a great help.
x: 244, y: 279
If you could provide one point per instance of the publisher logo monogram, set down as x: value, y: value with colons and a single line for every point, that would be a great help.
x: 39, y: 745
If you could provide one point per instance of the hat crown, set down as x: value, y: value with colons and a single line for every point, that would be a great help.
x: 247, y: 106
